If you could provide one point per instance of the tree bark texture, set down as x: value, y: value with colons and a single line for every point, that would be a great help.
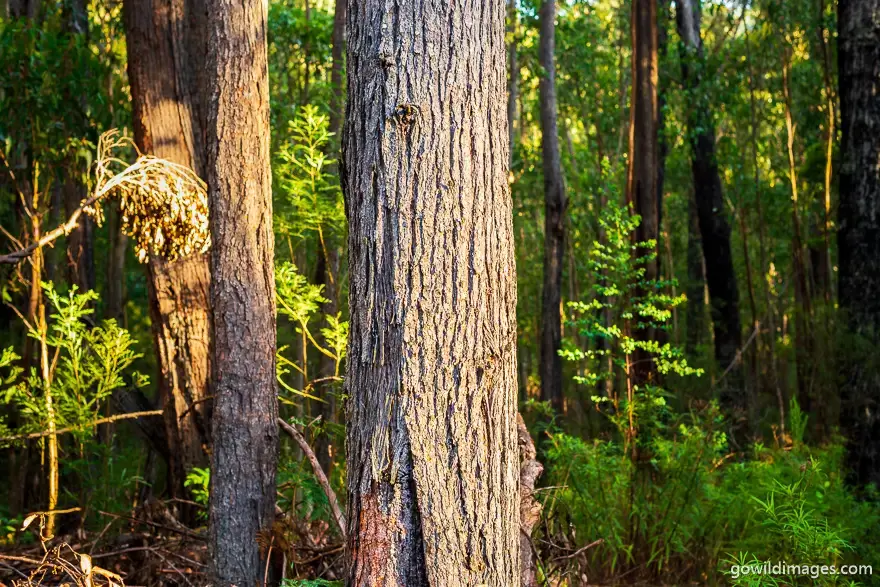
x: 244, y: 427
x: 433, y: 473
x: 858, y: 237
x: 550, y: 369
x: 165, y: 57
x: 643, y: 168
x: 714, y: 226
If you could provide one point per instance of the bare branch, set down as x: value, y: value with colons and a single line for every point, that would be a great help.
x: 319, y: 473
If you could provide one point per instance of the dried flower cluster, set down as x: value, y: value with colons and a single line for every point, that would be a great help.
x: 164, y: 205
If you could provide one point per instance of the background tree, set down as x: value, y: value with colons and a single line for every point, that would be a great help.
x: 165, y: 59
x: 554, y: 217
x: 859, y: 236
x: 714, y: 228
x: 431, y: 373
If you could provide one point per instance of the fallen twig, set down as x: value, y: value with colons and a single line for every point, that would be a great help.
x: 319, y: 473
x: 578, y: 551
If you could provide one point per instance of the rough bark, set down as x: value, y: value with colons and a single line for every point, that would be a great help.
x: 858, y: 237
x: 550, y: 368
x: 244, y: 428
x: 714, y: 226
x: 643, y: 169
x: 433, y: 474
x: 165, y: 46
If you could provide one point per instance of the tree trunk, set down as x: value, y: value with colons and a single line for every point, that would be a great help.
x: 858, y: 237
x: 165, y: 55
x: 512, y: 76
x: 696, y: 283
x: 714, y: 227
x: 643, y: 171
x: 433, y: 469
x: 244, y: 427
x: 554, y: 217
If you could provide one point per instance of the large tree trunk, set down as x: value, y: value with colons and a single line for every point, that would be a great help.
x: 165, y: 56
x: 433, y: 467
x: 714, y: 227
x: 643, y: 170
x: 245, y: 431
x: 554, y: 217
x: 858, y: 237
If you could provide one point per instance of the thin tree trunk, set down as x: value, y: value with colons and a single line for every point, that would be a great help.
x: 643, y: 170
x: 512, y: 76
x: 433, y: 472
x: 245, y: 432
x: 858, y: 237
x: 803, y: 338
x: 696, y: 283
x: 329, y: 253
x: 554, y: 217
x: 714, y: 227
x: 164, y: 60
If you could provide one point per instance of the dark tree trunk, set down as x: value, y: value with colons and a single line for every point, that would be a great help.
x: 858, y: 237
x: 165, y: 57
x: 244, y: 427
x: 115, y: 296
x: 337, y: 70
x: 80, y: 260
x: 328, y: 276
x: 433, y: 469
x: 714, y: 227
x: 550, y: 369
x: 696, y: 283
x: 643, y: 171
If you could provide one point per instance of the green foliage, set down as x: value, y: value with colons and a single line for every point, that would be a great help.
x: 623, y: 301
x: 198, y: 481
x: 308, y: 196
x: 87, y: 364
x: 691, y: 511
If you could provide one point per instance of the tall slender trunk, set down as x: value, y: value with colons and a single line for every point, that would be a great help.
x: 696, y: 282
x: 714, y: 227
x: 245, y: 431
x: 512, y: 76
x: 643, y: 170
x: 165, y: 57
x: 550, y: 369
x: 803, y: 338
x: 329, y: 252
x: 432, y: 444
x: 858, y: 237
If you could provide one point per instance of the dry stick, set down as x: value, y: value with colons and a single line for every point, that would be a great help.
x: 90, y: 425
x: 319, y: 473
x: 579, y: 551
x: 49, y: 237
